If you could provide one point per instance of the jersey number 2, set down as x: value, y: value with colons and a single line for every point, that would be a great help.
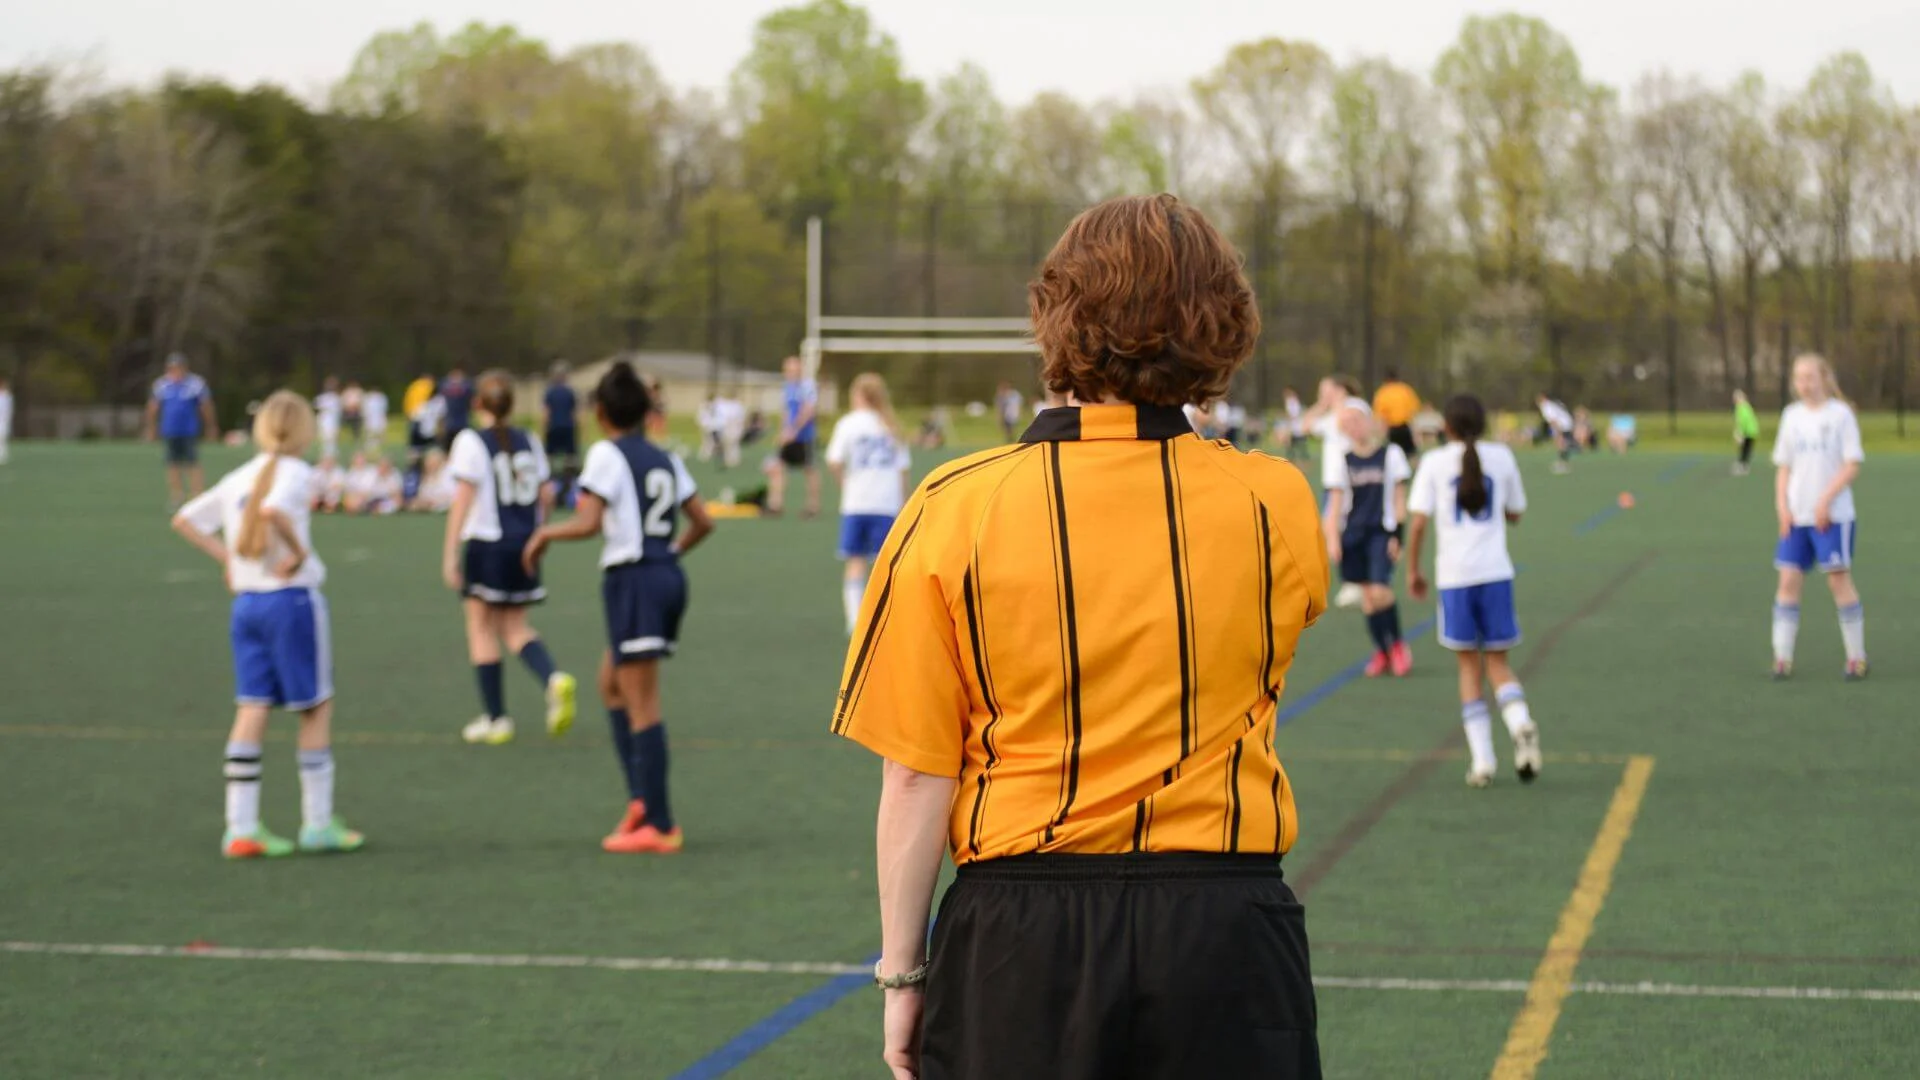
x: 659, y: 517
x: 516, y: 479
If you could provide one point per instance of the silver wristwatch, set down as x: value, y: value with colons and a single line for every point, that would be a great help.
x: 916, y: 977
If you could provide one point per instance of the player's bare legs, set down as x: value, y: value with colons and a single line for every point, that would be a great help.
x: 1512, y: 700
x: 813, y: 490
x: 1853, y: 627
x: 492, y: 727
x: 321, y: 830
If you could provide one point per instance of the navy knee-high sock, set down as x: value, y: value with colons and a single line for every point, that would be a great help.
x: 622, y: 725
x: 534, y: 654
x: 650, y: 758
x: 493, y: 696
x: 1393, y: 624
x: 1377, y: 629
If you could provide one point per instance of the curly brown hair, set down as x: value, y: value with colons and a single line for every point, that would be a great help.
x: 1142, y: 301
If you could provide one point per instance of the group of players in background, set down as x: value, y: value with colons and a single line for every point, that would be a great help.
x: 1381, y: 509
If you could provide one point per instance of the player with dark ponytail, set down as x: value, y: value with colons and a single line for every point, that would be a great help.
x: 1468, y: 492
x: 632, y: 494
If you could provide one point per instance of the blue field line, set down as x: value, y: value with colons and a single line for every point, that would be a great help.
x: 828, y: 994
x: 1674, y: 471
x: 782, y: 1020
x: 1595, y: 521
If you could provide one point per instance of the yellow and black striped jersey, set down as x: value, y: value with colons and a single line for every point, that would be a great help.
x: 1091, y: 630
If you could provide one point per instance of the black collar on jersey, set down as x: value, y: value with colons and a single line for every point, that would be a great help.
x: 1086, y: 422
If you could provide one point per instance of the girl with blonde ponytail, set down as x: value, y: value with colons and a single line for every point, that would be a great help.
x: 282, y: 655
x: 870, y: 460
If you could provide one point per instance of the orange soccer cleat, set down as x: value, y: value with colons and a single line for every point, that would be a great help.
x: 645, y: 840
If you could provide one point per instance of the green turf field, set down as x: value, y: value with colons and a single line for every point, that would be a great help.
x: 1714, y: 877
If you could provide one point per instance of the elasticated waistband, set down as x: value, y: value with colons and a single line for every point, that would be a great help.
x: 1142, y: 866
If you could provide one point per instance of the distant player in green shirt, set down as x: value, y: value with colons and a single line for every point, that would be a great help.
x: 1746, y: 430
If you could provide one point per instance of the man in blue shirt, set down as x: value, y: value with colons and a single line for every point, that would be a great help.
x: 561, y: 410
x: 457, y: 392
x: 180, y: 413
x: 800, y: 406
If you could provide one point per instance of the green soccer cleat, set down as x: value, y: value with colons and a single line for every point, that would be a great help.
x: 561, y: 691
x: 258, y: 844
x: 331, y: 837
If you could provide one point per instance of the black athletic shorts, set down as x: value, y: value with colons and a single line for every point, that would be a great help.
x: 1148, y: 967
x: 798, y: 454
x: 1401, y: 436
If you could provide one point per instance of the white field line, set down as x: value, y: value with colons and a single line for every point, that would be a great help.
x: 778, y: 967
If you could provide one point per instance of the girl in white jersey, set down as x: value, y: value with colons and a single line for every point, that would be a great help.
x: 869, y: 460
x: 1817, y: 455
x: 282, y: 655
x: 328, y: 406
x: 501, y: 496
x: 1468, y: 493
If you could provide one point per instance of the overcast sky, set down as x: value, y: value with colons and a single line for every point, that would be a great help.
x: 1089, y: 48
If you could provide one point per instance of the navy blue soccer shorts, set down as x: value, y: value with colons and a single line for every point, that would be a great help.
x: 644, y: 603
x: 495, y: 574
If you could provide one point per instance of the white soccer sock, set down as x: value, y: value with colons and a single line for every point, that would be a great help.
x: 1513, y: 708
x: 1479, y: 725
x: 852, y: 593
x: 243, y: 788
x: 1786, y: 628
x: 1853, y: 631
x: 316, y: 787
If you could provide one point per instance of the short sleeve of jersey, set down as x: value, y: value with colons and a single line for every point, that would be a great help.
x: 541, y: 468
x: 600, y: 473
x: 902, y: 694
x: 292, y: 486
x: 1782, y: 454
x: 1397, y: 467
x: 467, y: 460
x: 156, y: 392
x: 809, y: 392
x: 199, y: 388
x: 837, y: 445
x: 683, y: 486
x: 1514, y: 489
x: 1850, y: 448
x: 1424, y: 497
x: 207, y: 511
x: 1333, y: 473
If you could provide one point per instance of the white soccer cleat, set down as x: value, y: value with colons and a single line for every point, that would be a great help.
x: 1478, y: 777
x: 489, y: 732
x: 1349, y: 596
x: 1526, y: 753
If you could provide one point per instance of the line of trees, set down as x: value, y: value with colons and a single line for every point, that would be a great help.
x: 481, y: 198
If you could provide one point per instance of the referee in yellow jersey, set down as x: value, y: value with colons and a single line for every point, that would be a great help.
x: 1071, y: 656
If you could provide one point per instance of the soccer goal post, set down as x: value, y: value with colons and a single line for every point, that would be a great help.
x: 875, y: 334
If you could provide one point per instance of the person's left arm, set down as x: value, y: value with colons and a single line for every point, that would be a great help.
x: 209, y: 423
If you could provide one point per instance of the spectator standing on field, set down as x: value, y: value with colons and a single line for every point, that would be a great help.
x: 180, y: 413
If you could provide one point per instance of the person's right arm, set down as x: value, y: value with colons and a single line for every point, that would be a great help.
x: 1782, y: 476
x: 151, y: 426
x: 457, y: 511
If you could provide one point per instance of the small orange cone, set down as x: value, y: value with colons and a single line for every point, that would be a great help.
x: 1626, y: 500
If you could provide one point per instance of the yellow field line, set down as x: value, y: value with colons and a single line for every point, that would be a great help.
x: 1533, y: 1026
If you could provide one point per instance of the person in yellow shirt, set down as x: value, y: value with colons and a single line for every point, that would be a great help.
x: 418, y: 391
x: 1396, y: 404
x: 1071, y: 657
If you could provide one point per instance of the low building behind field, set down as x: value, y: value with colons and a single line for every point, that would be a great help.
x: 686, y: 380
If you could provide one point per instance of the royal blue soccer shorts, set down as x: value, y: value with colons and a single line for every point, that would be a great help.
x: 862, y: 535
x: 644, y: 603
x: 183, y: 449
x: 282, y: 649
x: 1479, y: 617
x: 1805, y: 547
